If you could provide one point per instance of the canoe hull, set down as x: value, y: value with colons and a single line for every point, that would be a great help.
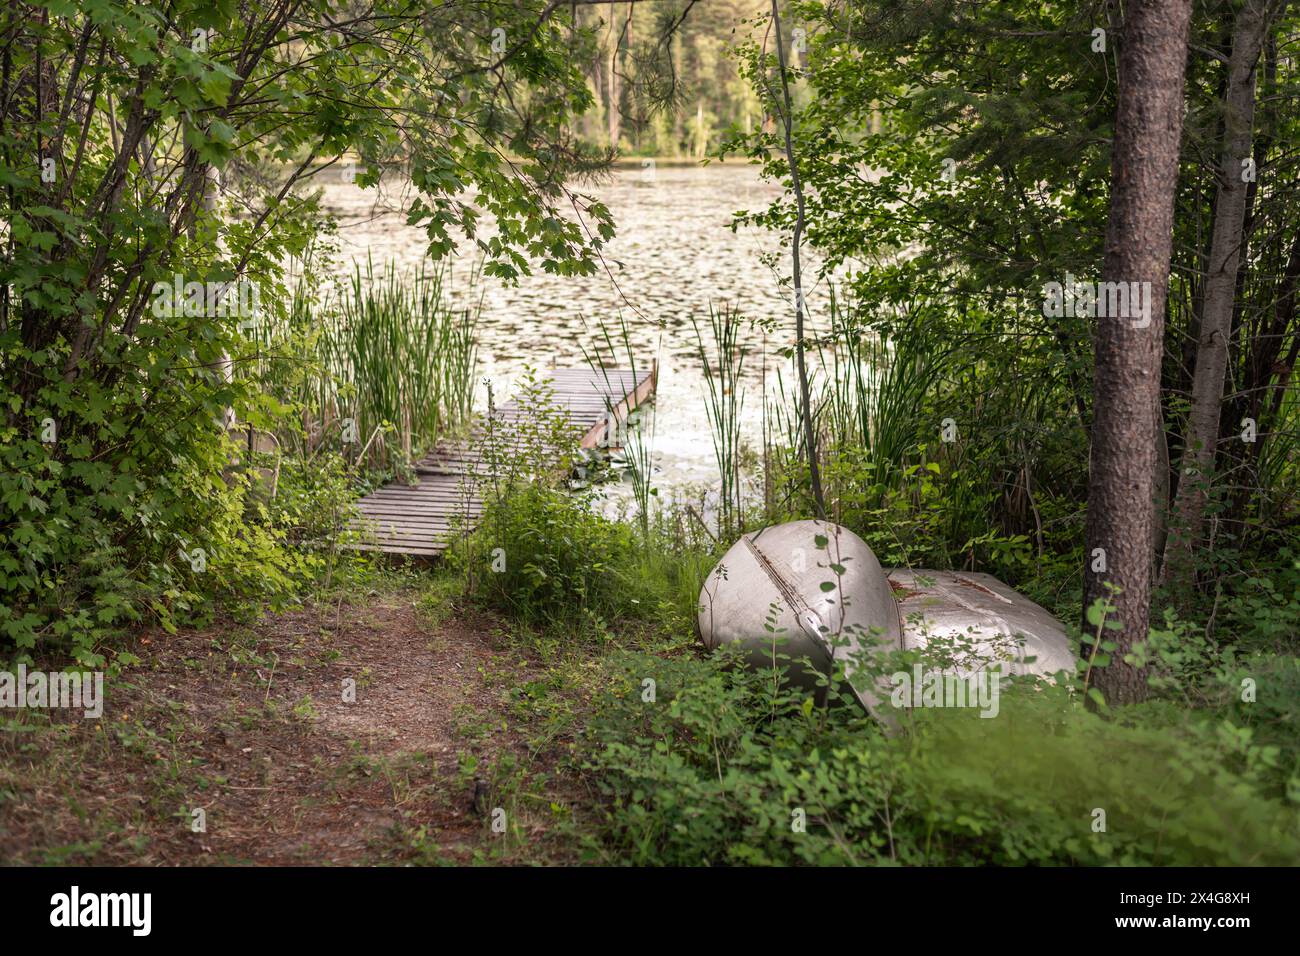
x: 998, y: 625
x: 791, y: 589
x: 814, y: 592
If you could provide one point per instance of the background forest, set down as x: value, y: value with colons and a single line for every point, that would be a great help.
x: 708, y: 94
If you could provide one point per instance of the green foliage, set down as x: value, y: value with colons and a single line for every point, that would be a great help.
x: 1265, y: 606
x: 112, y: 410
x: 538, y: 552
x: 725, y: 763
x: 954, y: 160
x: 558, y: 560
x: 544, y: 553
x: 923, y: 473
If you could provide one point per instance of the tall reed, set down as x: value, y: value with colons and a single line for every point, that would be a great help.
x: 638, y: 439
x: 869, y: 396
x: 1278, y: 458
x: 724, y: 402
x: 875, y: 388
x: 384, y: 354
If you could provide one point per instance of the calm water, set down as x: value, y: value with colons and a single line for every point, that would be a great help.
x: 674, y: 254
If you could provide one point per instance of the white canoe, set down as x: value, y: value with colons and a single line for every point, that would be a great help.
x: 777, y: 577
x: 998, y: 624
x: 786, y: 577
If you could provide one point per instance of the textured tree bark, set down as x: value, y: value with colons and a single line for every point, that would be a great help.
x: 1139, y: 239
x: 1252, y: 24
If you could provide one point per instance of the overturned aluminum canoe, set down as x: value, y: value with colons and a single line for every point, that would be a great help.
x: 814, y: 590
x: 808, y: 580
x: 993, y: 623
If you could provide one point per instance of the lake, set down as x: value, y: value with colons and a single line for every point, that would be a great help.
x: 675, y: 253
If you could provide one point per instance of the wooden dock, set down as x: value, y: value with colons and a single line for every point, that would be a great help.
x: 417, y: 519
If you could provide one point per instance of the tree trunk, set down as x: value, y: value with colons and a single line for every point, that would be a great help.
x: 591, y: 120
x: 211, y: 210
x: 701, y: 141
x: 1201, y: 436
x: 805, y: 397
x: 1139, y: 239
x: 615, y: 117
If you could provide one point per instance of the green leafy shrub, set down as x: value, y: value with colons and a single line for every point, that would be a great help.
x: 545, y: 556
x: 542, y: 552
x: 1265, y: 607
x: 133, y: 517
x: 124, y: 517
x: 725, y: 763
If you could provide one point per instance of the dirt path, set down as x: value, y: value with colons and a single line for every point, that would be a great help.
x: 360, y: 733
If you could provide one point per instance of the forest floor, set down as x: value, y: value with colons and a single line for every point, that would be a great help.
x: 453, y: 726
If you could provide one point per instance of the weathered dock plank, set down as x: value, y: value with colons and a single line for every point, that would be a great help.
x: 418, y: 519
